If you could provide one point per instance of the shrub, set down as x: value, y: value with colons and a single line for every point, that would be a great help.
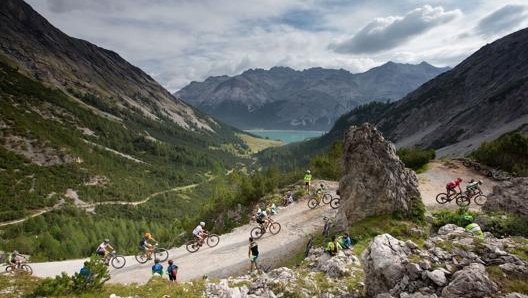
x: 65, y: 285
x: 508, y: 152
x: 415, y: 158
x: 500, y: 224
x: 445, y: 217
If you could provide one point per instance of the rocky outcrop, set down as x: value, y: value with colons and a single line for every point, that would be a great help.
x: 451, y: 264
x: 510, y: 196
x: 375, y: 182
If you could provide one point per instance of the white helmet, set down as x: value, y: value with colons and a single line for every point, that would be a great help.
x: 202, y: 224
x: 308, y: 171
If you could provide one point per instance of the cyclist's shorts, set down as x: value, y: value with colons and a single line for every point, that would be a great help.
x: 253, y: 258
x: 172, y: 277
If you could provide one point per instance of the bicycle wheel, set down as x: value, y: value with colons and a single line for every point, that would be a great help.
x: 327, y: 198
x: 256, y: 233
x: 480, y: 200
x: 118, y: 262
x: 442, y: 198
x: 308, y: 247
x: 462, y: 200
x: 334, y: 203
x: 312, y: 203
x: 141, y: 257
x: 476, y: 166
x: 466, y: 163
x: 213, y: 240
x: 275, y: 228
x: 27, y: 269
x: 162, y: 254
x: 192, y: 246
x: 9, y: 268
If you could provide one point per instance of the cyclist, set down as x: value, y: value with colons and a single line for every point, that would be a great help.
x: 145, y: 246
x: 261, y: 217
x: 289, y: 198
x: 307, y: 180
x: 333, y: 246
x: 199, y: 233
x: 450, y: 187
x: 473, y: 227
x: 253, y: 254
x: 472, y: 186
x: 157, y: 267
x: 103, y: 249
x: 16, y: 258
x: 172, y: 271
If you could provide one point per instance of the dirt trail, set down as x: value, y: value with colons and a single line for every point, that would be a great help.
x: 297, y: 221
x: 229, y: 257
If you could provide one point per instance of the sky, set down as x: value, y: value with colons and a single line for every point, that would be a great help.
x: 179, y: 41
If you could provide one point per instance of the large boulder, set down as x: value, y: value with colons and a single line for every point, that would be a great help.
x: 384, y: 263
x: 375, y: 181
x: 472, y: 281
x: 510, y: 196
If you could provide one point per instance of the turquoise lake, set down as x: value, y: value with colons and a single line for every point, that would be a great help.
x: 286, y: 136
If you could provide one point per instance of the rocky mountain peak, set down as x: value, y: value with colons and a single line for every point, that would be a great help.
x: 375, y: 181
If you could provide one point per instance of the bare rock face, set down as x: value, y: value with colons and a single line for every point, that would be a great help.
x: 376, y: 181
x: 510, y: 196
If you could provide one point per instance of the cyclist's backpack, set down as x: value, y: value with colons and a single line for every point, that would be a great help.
x: 170, y: 268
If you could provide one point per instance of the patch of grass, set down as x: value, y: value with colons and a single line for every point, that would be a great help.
x: 258, y: 144
x: 509, y: 283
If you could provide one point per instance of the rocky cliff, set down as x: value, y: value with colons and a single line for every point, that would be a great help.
x: 510, y: 196
x: 375, y: 181
x: 311, y: 99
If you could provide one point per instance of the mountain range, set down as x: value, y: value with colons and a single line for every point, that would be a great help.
x: 483, y: 97
x: 312, y: 99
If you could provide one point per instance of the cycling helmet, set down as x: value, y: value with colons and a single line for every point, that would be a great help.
x: 15, y: 251
x: 106, y: 240
x: 202, y: 224
x: 148, y: 235
x: 468, y: 217
x: 480, y: 182
x: 459, y: 179
x: 308, y: 171
x: 170, y: 262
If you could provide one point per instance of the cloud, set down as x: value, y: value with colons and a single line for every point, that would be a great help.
x: 502, y: 20
x: 387, y: 33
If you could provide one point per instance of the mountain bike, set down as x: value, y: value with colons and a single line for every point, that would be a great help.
x: 159, y: 253
x: 212, y: 240
x: 117, y: 261
x: 274, y: 228
x: 308, y: 246
x: 22, y: 267
x: 498, y: 174
x: 320, y: 195
x: 460, y: 198
x: 471, y: 164
x: 328, y: 222
x: 477, y: 196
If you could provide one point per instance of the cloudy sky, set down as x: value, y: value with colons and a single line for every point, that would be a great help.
x: 179, y: 41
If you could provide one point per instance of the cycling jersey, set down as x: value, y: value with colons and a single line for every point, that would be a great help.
x: 102, y: 247
x: 197, y: 231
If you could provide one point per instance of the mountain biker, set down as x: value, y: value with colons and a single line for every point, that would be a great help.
x: 199, y: 233
x: 157, y: 267
x: 307, y: 180
x: 145, y: 246
x: 472, y: 186
x: 450, y: 187
x: 103, y: 249
x: 289, y: 198
x: 172, y: 271
x: 473, y: 227
x: 16, y: 258
x: 85, y: 271
x: 261, y: 217
x: 272, y: 209
x: 253, y: 254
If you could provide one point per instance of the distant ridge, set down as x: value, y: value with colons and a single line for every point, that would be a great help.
x: 312, y: 99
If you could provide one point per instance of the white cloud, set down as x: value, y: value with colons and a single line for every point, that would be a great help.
x: 387, y: 33
x: 502, y: 20
x: 179, y: 41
